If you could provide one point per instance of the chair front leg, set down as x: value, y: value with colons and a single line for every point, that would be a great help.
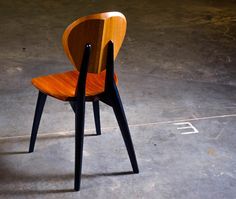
x: 97, y: 116
x: 37, y: 117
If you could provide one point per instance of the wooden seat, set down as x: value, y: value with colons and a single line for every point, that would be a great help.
x: 63, y: 85
x: 91, y: 43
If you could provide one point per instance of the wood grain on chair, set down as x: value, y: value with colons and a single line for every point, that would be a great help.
x: 63, y: 85
x: 98, y: 30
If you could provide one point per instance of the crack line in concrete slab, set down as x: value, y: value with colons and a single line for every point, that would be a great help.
x: 71, y: 132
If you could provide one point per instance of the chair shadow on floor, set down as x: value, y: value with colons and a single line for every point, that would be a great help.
x: 94, y: 175
x: 16, y: 183
x: 13, y: 152
x: 44, y: 136
x: 48, y: 179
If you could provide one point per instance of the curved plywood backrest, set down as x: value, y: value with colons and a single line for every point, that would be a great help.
x: 97, y: 30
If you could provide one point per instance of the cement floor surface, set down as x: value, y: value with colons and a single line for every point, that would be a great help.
x: 177, y: 65
x: 172, y: 165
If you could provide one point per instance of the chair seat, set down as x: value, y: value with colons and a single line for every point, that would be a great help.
x: 63, y: 85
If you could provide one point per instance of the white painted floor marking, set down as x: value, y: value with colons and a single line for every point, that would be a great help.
x: 186, y: 125
x: 71, y: 133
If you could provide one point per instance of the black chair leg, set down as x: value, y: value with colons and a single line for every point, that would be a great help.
x: 79, y: 140
x: 97, y: 116
x: 37, y: 116
x: 123, y: 124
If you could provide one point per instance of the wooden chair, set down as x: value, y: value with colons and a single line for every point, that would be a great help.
x: 91, y: 44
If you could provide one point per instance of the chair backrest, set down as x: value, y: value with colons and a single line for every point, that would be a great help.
x: 97, y: 30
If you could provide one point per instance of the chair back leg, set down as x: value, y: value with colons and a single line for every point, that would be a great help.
x: 79, y: 117
x: 37, y: 117
x: 124, y: 128
x: 112, y: 98
x: 79, y: 140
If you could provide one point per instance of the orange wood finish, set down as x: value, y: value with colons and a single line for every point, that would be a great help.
x: 97, y: 30
x: 63, y: 85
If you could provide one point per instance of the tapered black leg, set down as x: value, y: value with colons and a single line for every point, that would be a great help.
x: 37, y: 116
x: 112, y: 98
x: 79, y: 116
x: 123, y: 124
x: 97, y: 116
x: 79, y: 140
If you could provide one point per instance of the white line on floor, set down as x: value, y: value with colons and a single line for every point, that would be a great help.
x: 68, y: 133
x: 186, y: 125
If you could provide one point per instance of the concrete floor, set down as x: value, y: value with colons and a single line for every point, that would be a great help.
x: 177, y: 64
